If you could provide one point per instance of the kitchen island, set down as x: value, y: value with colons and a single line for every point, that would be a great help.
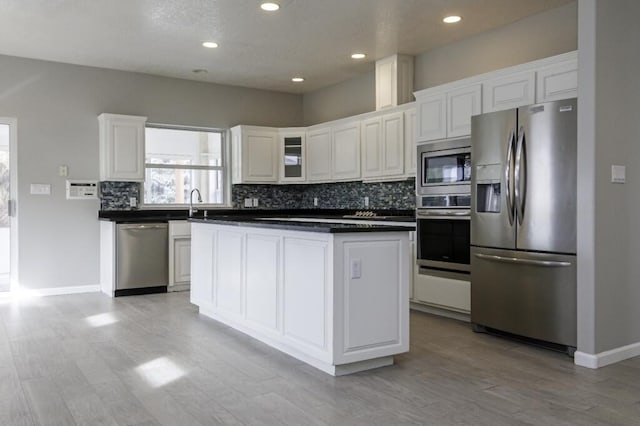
x: 334, y: 295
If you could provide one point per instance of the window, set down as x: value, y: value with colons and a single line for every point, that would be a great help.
x: 178, y: 160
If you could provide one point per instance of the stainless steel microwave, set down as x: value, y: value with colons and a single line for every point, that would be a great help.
x: 445, y: 163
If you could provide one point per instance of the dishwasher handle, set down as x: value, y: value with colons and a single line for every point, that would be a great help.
x: 144, y: 226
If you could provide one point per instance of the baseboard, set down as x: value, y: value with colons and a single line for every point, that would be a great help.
x: 607, y: 357
x: 57, y: 291
x: 440, y: 312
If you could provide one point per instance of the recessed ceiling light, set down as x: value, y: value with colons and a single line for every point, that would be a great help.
x: 210, y: 44
x: 452, y: 19
x: 270, y: 6
x: 297, y: 79
x: 358, y: 56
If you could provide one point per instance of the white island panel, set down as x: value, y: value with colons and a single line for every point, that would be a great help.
x: 229, y: 271
x: 263, y: 255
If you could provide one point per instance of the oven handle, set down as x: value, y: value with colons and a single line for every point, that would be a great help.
x: 520, y: 261
x: 446, y: 214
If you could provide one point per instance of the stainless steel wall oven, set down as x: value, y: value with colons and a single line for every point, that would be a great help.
x: 443, y: 208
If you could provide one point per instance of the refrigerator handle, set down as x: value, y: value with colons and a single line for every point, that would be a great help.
x: 521, y: 261
x: 520, y: 173
x: 507, y: 177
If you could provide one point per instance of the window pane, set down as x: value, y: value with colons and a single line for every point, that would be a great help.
x: 185, y: 147
x: 173, y: 186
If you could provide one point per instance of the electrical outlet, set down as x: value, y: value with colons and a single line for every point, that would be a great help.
x: 63, y: 171
x: 366, y: 201
x: 248, y: 202
x: 255, y: 202
x: 315, y: 201
x: 133, y: 201
x: 356, y: 268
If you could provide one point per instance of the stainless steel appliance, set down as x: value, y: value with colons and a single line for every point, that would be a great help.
x: 443, y: 203
x: 523, y: 222
x: 142, y: 258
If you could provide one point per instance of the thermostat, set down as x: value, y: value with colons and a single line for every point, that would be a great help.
x: 82, y: 189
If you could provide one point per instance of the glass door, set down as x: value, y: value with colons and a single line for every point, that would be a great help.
x: 7, y: 206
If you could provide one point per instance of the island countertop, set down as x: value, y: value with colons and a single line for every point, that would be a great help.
x: 307, y: 224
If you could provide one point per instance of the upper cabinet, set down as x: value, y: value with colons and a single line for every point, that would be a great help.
x: 255, y: 153
x: 447, y: 114
x: 292, y: 155
x: 557, y: 81
x: 345, y: 150
x: 508, y: 92
x: 319, y: 155
x: 445, y: 111
x: 121, y: 147
x: 410, y: 142
x: 383, y: 146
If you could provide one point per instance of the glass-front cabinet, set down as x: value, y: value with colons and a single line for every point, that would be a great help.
x: 292, y: 149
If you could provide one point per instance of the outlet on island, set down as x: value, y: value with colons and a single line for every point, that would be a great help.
x: 315, y: 201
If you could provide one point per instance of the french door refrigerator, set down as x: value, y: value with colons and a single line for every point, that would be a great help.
x: 523, y: 222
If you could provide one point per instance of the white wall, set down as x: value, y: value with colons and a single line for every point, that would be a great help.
x: 57, y: 107
x: 609, y: 285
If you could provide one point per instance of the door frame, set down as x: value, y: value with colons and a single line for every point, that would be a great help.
x: 13, y: 195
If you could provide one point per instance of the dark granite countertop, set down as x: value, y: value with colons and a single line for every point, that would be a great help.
x: 307, y: 226
x: 146, y: 216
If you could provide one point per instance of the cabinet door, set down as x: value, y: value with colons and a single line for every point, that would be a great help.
x: 292, y: 156
x: 260, y: 156
x: 410, y: 145
x: 557, y: 82
x: 181, y: 260
x: 371, y: 147
x: 461, y: 105
x: 393, y: 144
x: 431, y: 116
x: 508, y: 92
x: 319, y: 155
x: 121, y: 147
x: 346, y: 151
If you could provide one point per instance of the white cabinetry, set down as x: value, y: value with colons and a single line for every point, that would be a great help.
x: 431, y: 116
x: 345, y: 149
x: 294, y: 291
x: 557, y: 81
x: 443, y: 292
x: 121, y: 147
x: 255, y: 154
x: 448, y: 114
x: 508, y: 92
x: 410, y: 146
x: 319, y: 155
x: 383, y: 146
x: 179, y: 255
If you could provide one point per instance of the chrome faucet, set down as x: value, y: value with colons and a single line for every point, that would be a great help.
x: 191, y: 209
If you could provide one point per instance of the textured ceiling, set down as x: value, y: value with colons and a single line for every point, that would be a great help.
x: 312, y: 38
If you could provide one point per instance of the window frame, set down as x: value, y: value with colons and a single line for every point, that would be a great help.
x: 225, y: 168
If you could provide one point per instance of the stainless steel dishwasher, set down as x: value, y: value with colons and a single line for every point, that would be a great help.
x: 142, y: 258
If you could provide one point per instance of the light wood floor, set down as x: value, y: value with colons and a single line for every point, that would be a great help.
x: 149, y: 360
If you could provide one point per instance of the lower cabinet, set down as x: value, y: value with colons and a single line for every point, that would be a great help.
x: 442, y: 292
x: 179, y: 255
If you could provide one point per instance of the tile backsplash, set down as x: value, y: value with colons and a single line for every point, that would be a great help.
x: 116, y: 195
x: 340, y: 195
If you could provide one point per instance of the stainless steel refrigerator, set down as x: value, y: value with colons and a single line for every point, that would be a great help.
x: 523, y: 221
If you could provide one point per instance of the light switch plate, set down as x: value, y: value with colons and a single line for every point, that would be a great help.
x: 618, y: 174
x: 356, y: 268
x: 63, y: 171
x: 40, y: 189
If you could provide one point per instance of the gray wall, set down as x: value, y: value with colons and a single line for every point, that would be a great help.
x: 57, y: 107
x: 351, y: 97
x: 612, y: 138
x: 535, y: 37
